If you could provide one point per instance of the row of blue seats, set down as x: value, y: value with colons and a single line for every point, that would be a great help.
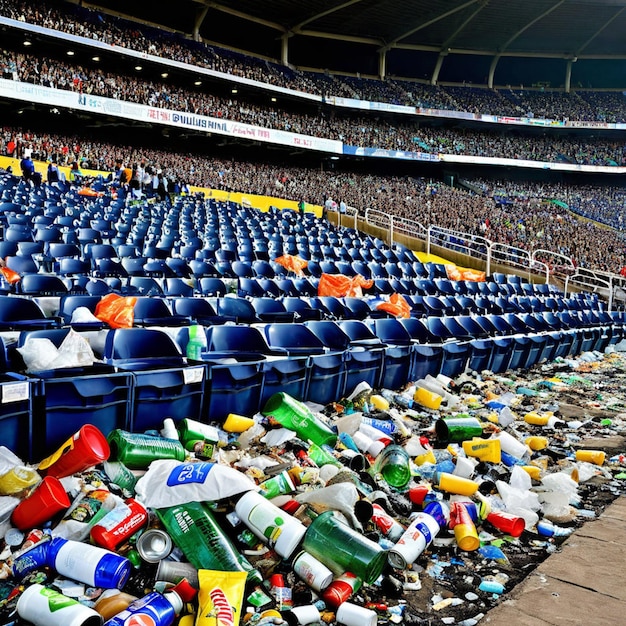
x: 18, y: 312
x: 145, y: 377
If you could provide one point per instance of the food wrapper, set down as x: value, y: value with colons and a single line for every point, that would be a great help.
x: 220, y: 598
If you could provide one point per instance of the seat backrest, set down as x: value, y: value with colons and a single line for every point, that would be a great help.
x: 147, y: 306
x: 391, y: 331
x: 296, y: 338
x: 42, y: 285
x: 193, y: 307
x: 237, y: 338
x: 210, y: 286
x: 329, y: 333
x: 239, y: 309
x: 19, y: 309
x: 139, y: 343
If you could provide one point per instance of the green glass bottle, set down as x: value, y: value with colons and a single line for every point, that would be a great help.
x: 296, y: 416
x: 205, y: 545
x: 351, y: 551
x: 137, y: 451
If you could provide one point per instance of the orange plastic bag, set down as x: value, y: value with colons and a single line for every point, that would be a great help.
x: 293, y: 263
x: 11, y: 276
x: 456, y: 273
x: 339, y: 285
x: 397, y: 306
x: 116, y: 311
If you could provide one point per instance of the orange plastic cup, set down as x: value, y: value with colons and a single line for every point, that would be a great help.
x: 45, y: 501
x: 591, y: 456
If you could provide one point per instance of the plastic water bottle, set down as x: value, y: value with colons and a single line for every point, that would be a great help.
x: 162, y: 609
x: 197, y: 343
x: 88, y: 564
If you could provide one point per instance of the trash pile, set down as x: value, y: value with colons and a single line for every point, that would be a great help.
x: 421, y: 505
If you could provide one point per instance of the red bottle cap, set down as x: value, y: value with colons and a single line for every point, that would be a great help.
x: 417, y: 493
x: 277, y: 580
x: 338, y: 592
x: 291, y: 506
x: 186, y: 592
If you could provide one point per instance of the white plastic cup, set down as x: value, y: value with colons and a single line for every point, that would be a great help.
x: 511, y: 445
x: 353, y: 615
x: 308, y: 614
x: 464, y: 467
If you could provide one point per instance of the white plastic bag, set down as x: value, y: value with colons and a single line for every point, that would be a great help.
x: 169, y: 483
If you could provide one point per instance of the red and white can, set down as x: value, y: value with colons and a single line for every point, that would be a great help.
x: 119, y: 524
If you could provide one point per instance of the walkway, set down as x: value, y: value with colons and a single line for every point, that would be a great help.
x: 582, y: 583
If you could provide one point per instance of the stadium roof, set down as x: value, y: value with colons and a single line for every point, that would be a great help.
x: 422, y: 39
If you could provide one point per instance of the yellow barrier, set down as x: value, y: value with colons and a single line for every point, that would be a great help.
x: 263, y: 203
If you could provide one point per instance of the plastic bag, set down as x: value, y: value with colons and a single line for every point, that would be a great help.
x: 11, y: 276
x: 117, y: 311
x: 81, y: 315
x: 397, y: 306
x: 459, y: 273
x: 75, y: 351
x: 340, y: 286
x: 169, y: 483
x: 37, y: 353
x: 293, y: 263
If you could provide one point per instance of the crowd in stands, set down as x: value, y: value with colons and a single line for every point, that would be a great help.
x: 557, y: 105
x: 361, y: 131
x: 529, y: 222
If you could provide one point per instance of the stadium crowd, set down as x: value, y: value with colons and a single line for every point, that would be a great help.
x: 585, y: 105
x: 530, y: 222
x: 364, y: 131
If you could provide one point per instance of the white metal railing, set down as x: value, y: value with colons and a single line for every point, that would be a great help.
x: 553, y: 265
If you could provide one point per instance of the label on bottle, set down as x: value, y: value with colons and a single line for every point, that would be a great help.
x: 189, y: 473
x: 300, y: 420
x: 267, y: 522
x: 78, y: 561
x: 56, y: 601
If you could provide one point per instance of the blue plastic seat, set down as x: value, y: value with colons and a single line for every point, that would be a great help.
x: 211, y: 286
x: 154, y: 311
x: 42, y: 285
x: 399, y: 352
x: 164, y: 384
x: 144, y: 286
x: 271, y: 310
x: 238, y: 310
x: 65, y: 399
x: 198, y: 310
x: 68, y: 305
